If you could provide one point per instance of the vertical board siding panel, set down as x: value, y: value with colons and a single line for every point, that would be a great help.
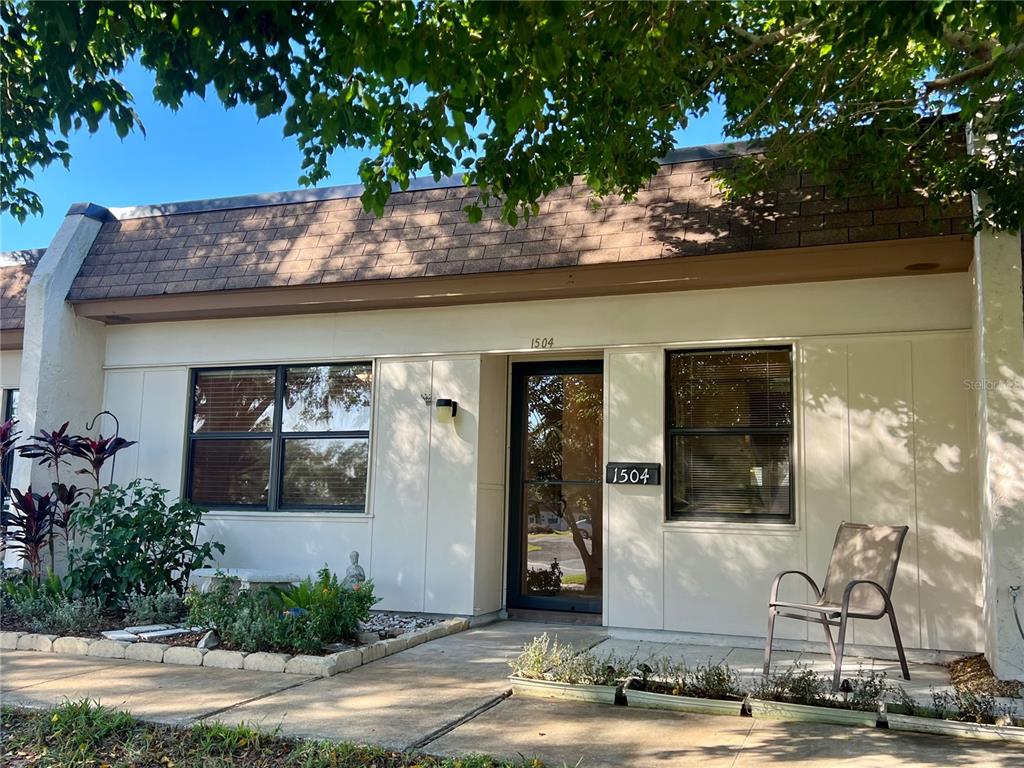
x: 635, y: 564
x: 882, y: 469
x: 400, y: 483
x: 492, y: 463
x: 165, y: 397
x: 123, y: 397
x: 826, y: 459
x: 718, y: 582
x: 10, y: 368
x: 451, y: 514
x: 949, y: 532
x: 300, y: 547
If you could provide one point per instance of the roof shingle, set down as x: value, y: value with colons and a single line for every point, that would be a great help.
x: 15, y: 271
x: 425, y: 233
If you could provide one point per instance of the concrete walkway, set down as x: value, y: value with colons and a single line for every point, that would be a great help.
x: 449, y: 697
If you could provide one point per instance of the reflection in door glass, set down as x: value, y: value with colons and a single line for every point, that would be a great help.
x: 563, y: 542
x: 563, y: 427
x: 562, y: 487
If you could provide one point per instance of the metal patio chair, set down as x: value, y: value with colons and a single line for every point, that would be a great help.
x: 858, y: 585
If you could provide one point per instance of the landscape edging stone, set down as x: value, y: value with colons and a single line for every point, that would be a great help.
x: 161, y: 653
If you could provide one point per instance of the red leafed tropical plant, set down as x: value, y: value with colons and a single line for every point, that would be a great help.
x: 35, y: 521
x: 8, y: 436
x: 51, y: 449
x: 28, y: 524
x: 97, y: 452
x: 66, y: 499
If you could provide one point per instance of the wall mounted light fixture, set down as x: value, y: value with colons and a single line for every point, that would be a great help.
x: 447, y: 409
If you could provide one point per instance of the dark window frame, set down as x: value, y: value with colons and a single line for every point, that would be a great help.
x: 671, y: 515
x: 7, y: 468
x: 277, y: 440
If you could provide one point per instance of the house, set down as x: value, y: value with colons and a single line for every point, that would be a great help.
x: 639, y: 412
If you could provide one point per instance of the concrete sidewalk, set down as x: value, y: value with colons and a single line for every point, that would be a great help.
x: 448, y: 697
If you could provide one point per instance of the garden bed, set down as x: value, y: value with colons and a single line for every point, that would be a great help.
x: 552, y: 689
x: 550, y: 670
x: 942, y: 727
x: 654, y: 695
x: 804, y: 713
x: 325, y: 665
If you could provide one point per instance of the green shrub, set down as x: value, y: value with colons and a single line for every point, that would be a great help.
x: 586, y: 668
x: 706, y: 681
x: 797, y: 685
x: 968, y: 706
x: 538, y: 656
x: 47, y: 607
x: 300, y: 620
x: 335, y: 610
x: 59, y: 615
x: 164, y: 608
x: 137, y: 545
x: 800, y: 685
x: 545, y: 659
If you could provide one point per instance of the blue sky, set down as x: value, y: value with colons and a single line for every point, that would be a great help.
x: 203, y: 150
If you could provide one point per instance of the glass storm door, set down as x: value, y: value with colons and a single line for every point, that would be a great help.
x: 555, y: 539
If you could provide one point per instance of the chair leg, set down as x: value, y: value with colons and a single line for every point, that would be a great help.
x: 899, y: 643
x: 768, y: 641
x: 828, y: 639
x: 843, y: 618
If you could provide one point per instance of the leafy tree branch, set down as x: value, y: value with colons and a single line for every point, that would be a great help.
x: 522, y: 98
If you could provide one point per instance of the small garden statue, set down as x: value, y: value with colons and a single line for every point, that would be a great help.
x: 355, y: 575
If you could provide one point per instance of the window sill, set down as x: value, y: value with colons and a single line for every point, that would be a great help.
x: 728, y: 526
x: 280, y: 515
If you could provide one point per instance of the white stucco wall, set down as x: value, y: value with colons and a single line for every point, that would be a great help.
x: 870, y: 385
x: 998, y: 386
x: 62, y: 355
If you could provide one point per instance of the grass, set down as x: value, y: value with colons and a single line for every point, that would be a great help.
x: 575, y: 578
x: 83, y: 734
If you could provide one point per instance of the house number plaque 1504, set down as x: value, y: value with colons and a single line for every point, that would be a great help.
x: 632, y: 473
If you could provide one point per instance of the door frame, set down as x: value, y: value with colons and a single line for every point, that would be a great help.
x: 519, y: 371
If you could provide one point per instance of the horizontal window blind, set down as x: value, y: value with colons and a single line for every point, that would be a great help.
x: 730, y: 422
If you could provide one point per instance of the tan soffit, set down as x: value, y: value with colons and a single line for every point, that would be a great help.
x: 934, y: 255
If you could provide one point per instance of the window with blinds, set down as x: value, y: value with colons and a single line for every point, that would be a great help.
x: 730, y: 434
x: 281, y: 437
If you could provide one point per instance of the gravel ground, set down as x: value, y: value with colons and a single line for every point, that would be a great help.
x: 397, y: 623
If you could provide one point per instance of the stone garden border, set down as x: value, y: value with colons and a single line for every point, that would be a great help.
x: 318, y: 666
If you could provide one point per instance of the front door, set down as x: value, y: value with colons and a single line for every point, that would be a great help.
x: 555, y: 535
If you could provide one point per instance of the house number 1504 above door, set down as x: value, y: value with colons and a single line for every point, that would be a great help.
x: 632, y: 473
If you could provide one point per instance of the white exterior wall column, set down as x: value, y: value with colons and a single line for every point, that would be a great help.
x: 999, y: 384
x: 62, y: 355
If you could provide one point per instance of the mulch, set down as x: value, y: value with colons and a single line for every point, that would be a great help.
x: 973, y: 674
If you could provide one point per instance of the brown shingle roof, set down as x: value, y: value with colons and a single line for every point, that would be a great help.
x: 15, y: 272
x: 425, y: 233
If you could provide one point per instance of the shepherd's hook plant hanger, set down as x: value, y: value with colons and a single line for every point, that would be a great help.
x: 117, y: 433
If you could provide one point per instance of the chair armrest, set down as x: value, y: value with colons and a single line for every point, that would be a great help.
x: 778, y: 580
x: 851, y: 585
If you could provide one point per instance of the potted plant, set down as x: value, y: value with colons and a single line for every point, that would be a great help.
x: 955, y: 713
x: 802, y: 695
x: 548, y: 669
